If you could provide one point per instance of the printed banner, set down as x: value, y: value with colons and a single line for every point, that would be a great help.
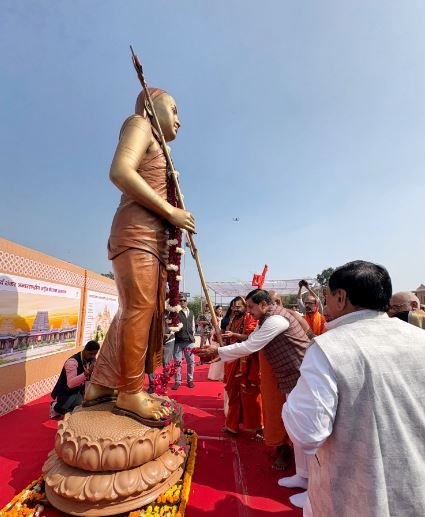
x: 100, y: 310
x: 37, y: 318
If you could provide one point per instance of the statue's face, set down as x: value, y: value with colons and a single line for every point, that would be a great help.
x: 166, y: 111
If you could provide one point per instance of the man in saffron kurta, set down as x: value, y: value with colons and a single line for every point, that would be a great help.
x: 315, y: 320
x: 242, y: 377
x: 313, y: 316
x: 312, y: 309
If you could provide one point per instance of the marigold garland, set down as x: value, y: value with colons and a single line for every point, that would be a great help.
x: 28, y: 503
x: 172, y: 503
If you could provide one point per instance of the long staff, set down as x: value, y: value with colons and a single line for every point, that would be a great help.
x: 193, y: 248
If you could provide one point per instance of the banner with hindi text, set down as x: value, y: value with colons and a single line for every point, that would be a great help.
x: 37, y: 318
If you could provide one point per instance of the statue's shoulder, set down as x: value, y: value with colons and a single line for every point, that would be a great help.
x: 138, y: 122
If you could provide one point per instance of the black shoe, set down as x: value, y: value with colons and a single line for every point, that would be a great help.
x: 175, y: 386
x: 190, y: 384
x: 283, y: 458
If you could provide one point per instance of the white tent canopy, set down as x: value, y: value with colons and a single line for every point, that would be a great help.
x: 232, y: 289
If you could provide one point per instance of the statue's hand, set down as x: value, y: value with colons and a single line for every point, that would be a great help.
x: 182, y: 219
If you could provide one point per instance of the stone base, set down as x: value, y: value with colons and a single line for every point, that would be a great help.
x: 95, y: 439
x: 128, y: 504
x: 80, y: 492
x: 106, y: 464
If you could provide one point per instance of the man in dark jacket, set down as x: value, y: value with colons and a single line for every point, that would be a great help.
x: 69, y: 389
x: 185, y: 339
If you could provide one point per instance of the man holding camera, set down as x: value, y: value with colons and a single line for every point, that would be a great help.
x: 312, y: 309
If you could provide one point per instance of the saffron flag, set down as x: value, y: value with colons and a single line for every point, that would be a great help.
x: 258, y: 280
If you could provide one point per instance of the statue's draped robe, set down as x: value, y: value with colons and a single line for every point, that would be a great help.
x: 138, y: 249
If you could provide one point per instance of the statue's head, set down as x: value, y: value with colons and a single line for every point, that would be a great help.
x: 165, y: 109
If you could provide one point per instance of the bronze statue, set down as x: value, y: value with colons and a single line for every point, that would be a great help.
x: 138, y: 249
x: 106, y: 464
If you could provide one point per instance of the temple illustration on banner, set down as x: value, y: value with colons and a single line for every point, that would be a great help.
x: 41, y: 333
x: 103, y: 321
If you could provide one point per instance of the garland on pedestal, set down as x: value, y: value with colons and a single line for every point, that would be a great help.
x: 175, y: 252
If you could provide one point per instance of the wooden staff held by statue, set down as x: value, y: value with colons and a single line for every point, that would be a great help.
x: 193, y: 249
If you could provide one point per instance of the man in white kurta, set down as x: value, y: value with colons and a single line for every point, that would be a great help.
x: 358, y: 408
x: 284, y: 341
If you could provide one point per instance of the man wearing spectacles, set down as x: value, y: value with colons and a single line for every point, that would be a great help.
x: 405, y: 306
x: 357, y: 410
x: 185, y: 339
x: 312, y: 309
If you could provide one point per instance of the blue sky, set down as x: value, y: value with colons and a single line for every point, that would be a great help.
x: 306, y: 120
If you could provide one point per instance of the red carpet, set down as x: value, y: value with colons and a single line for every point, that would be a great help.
x: 233, y: 476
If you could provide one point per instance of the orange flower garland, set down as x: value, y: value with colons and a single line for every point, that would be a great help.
x: 173, y: 502
x: 28, y: 502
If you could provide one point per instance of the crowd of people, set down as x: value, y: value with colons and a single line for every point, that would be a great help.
x: 339, y: 387
x: 335, y: 385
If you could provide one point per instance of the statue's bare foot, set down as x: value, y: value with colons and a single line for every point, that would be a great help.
x: 161, y: 399
x: 96, y: 394
x: 144, y: 408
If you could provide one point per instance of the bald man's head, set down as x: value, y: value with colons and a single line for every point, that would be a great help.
x: 275, y: 297
x: 402, y: 302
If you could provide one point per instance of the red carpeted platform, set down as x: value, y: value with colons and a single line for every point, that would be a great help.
x: 233, y: 476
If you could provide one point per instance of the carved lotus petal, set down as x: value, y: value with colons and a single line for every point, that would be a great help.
x: 54, y: 479
x: 89, y: 457
x: 172, y: 461
x: 72, y: 487
x: 98, y: 487
x: 153, y: 472
x: 141, y: 451
x: 115, y: 457
x: 65, y: 433
x: 128, y: 483
x: 105, y: 442
x: 58, y: 442
x: 161, y: 447
x: 55, y: 474
x: 177, y: 432
x: 49, y: 463
x: 68, y: 452
x: 163, y: 441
